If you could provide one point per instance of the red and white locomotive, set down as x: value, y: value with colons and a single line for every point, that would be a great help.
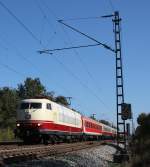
x: 42, y: 119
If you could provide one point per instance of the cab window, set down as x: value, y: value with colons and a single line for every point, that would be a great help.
x: 30, y: 106
x: 24, y: 106
x: 48, y: 106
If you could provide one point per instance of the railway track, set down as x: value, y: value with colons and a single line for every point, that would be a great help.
x: 28, y: 152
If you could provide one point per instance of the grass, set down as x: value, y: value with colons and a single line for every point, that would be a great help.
x: 6, y: 134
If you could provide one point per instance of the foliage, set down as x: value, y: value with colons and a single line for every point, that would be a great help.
x: 140, y: 145
x: 50, y: 95
x: 105, y: 122
x: 8, y: 105
x: 143, y: 130
x: 31, y: 88
x: 92, y: 117
x: 62, y: 100
x: 141, y: 119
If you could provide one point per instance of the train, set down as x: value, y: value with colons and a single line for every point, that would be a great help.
x: 42, y: 120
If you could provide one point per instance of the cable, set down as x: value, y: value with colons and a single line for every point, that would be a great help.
x: 50, y: 10
x: 55, y: 16
x: 81, y: 83
x: 12, y: 69
x: 20, y: 22
x: 111, y: 5
x: 45, y: 17
x: 17, y: 52
x: 82, y: 18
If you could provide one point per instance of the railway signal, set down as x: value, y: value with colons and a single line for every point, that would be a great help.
x: 126, y: 111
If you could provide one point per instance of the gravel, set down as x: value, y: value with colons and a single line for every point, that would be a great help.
x: 94, y: 157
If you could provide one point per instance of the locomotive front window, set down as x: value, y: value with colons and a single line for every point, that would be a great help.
x: 35, y: 105
x: 24, y: 106
x: 30, y: 106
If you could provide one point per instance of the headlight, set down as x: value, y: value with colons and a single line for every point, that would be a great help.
x: 18, y: 125
x: 39, y: 124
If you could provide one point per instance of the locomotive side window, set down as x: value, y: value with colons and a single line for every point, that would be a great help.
x: 48, y: 106
x: 35, y: 105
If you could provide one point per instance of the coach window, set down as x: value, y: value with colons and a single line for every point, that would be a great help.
x: 90, y: 125
x: 48, y: 106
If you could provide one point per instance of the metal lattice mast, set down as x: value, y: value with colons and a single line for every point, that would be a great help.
x: 119, y: 81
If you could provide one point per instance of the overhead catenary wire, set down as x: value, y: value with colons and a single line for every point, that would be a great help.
x: 12, y: 69
x: 17, y: 52
x: 111, y: 5
x: 81, y: 83
x: 54, y: 16
x: 20, y: 22
x: 45, y: 18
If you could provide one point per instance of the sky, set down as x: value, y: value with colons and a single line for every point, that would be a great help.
x: 88, y: 74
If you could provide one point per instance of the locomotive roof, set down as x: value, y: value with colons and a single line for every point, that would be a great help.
x: 38, y: 99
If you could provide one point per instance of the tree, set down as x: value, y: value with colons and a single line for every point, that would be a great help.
x: 8, y: 104
x: 50, y: 95
x: 141, y: 119
x: 142, y: 130
x: 93, y: 117
x: 140, y: 145
x: 61, y: 100
x: 31, y: 88
x: 105, y: 122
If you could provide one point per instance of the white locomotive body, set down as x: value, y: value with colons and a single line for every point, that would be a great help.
x: 42, y: 118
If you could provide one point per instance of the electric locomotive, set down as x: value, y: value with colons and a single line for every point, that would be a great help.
x: 43, y: 119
